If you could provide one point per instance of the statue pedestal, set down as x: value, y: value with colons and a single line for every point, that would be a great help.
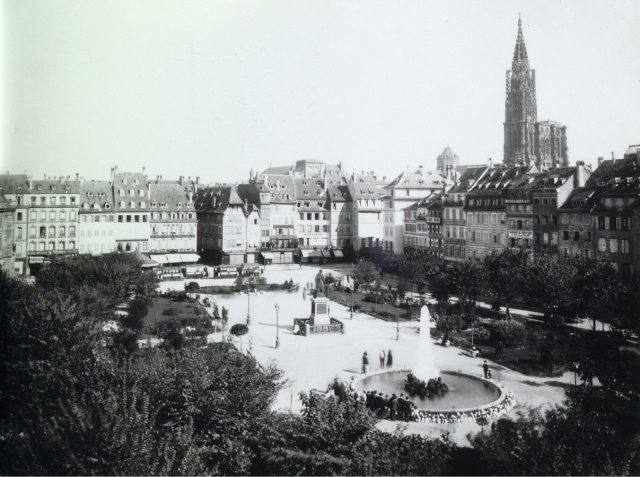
x: 320, y: 311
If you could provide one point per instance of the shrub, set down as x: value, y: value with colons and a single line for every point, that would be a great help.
x: 169, y: 312
x: 511, y: 333
x: 192, y: 287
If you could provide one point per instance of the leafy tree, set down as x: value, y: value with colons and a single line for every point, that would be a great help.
x: 364, y: 274
x: 467, y: 281
x: 574, y: 439
x: 134, y: 319
x: 596, y: 288
x: 171, y: 333
x: 547, y: 284
x: 504, y: 272
x: 239, y: 330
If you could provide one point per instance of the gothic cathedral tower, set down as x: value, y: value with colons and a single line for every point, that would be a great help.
x: 528, y: 141
x: 521, y: 110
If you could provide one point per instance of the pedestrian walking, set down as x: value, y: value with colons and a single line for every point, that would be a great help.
x: 485, y: 366
x: 365, y: 363
x: 389, y: 359
x: 382, y: 356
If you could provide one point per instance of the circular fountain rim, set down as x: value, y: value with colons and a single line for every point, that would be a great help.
x: 482, y: 407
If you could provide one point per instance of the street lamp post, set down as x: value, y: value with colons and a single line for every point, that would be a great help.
x: 351, y: 311
x: 397, y: 319
x: 248, y: 283
x: 277, y: 325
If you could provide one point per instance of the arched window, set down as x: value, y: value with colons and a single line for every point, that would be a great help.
x: 95, y: 206
x: 132, y: 193
x: 61, y: 245
x: 52, y: 245
x: 132, y: 205
x: 72, y: 231
x: 142, y: 205
x: 107, y: 206
x: 32, y: 246
x: 72, y: 245
x: 85, y: 206
x: 52, y: 231
x: 61, y: 232
x: 128, y: 249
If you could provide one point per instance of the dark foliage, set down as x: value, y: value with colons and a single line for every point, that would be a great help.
x: 418, y: 387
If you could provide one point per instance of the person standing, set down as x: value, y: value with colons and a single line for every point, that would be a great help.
x: 382, y: 356
x: 365, y: 363
x: 485, y: 366
x: 393, y: 407
x: 389, y: 359
x: 401, y: 408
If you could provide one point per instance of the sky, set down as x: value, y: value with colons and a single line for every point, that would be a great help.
x: 218, y: 88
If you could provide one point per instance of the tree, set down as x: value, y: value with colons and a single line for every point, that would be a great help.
x: 548, y: 283
x: 134, y: 319
x: 239, y: 330
x: 467, y: 281
x: 364, y: 274
x: 574, y: 439
x: 596, y: 287
x: 504, y: 272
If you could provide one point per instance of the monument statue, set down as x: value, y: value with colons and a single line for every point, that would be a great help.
x: 319, y: 283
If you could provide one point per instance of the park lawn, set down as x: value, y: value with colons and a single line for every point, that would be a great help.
x: 166, y: 309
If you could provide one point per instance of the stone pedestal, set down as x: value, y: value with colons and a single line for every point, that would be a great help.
x: 320, y: 311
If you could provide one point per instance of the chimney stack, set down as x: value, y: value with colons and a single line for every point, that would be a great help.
x: 490, y: 163
x: 181, y: 180
x: 582, y: 174
x: 600, y: 159
x: 143, y: 170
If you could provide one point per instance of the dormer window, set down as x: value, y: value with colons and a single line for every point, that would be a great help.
x: 132, y: 205
x: 136, y: 182
x: 142, y: 205
x: 121, y: 192
x: 107, y: 206
x: 162, y: 204
x: 153, y: 204
x: 101, y: 194
x: 132, y: 193
x: 95, y: 206
x: 305, y: 183
x: 180, y: 204
x: 85, y: 206
x: 90, y: 194
x: 306, y: 192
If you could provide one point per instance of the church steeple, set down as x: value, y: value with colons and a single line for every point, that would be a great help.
x: 520, y: 58
x: 520, y: 107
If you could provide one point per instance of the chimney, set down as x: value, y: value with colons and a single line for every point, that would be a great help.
x: 490, y: 163
x: 582, y: 174
x: 159, y: 180
x: 613, y: 158
x: 190, y: 194
x: 181, y: 180
x: 30, y: 181
x: 143, y: 170
x: 77, y: 176
x: 600, y: 159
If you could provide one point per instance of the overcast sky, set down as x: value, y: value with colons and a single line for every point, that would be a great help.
x: 215, y: 88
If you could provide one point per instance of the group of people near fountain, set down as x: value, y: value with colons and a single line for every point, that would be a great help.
x: 385, y: 407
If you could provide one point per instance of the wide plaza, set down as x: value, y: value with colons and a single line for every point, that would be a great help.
x: 314, y: 362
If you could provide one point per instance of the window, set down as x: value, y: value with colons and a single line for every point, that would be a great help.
x: 565, y: 235
x: 545, y: 201
x: 63, y: 200
x: 19, y: 232
x: 309, y: 228
x: 43, y: 232
x: 144, y: 218
x: 120, y: 218
x: 624, y: 246
x: 72, y: 231
x: 602, y: 244
x: 136, y: 218
x: 586, y: 236
x: 43, y: 201
x: 132, y: 205
x: 128, y: 218
x: 576, y: 236
x: 317, y: 228
x: 52, y: 201
x: 613, y: 245
x: 33, y: 202
x: 141, y: 193
x: 61, y: 232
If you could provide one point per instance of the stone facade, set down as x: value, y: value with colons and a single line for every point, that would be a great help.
x: 526, y: 140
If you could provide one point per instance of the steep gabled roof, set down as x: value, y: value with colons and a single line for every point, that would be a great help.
x: 96, y: 192
x: 418, y: 179
x: 172, y: 194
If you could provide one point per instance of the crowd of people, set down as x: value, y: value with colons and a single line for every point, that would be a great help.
x: 393, y: 408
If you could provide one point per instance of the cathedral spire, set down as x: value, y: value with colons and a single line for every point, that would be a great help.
x: 520, y: 58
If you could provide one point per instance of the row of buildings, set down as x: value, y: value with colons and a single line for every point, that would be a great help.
x: 61, y: 216
x: 569, y: 212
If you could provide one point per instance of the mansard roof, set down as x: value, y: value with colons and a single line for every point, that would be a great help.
x: 172, y: 194
x: 14, y: 184
x: 365, y: 187
x: 419, y: 178
x: 219, y: 198
x: 97, y: 192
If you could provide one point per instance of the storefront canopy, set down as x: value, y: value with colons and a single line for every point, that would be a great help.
x: 337, y: 253
x: 146, y: 262
x: 326, y: 253
x: 190, y: 257
x: 267, y: 255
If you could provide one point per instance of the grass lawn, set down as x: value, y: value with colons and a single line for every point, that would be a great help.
x: 166, y: 309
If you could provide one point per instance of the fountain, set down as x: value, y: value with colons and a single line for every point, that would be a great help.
x: 425, y: 370
x: 467, y: 393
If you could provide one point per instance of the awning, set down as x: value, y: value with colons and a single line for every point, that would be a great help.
x: 305, y: 253
x: 190, y: 257
x: 337, y: 253
x: 267, y: 255
x: 326, y: 253
x: 315, y: 253
x: 146, y: 262
x: 160, y: 258
x: 36, y: 259
x: 173, y: 258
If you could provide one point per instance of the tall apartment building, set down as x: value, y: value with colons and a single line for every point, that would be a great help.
x: 173, y: 220
x: 486, y: 221
x: 13, y: 188
x: 229, y: 230
x: 454, y: 215
x: 131, y: 195
x: 423, y: 225
x: 7, y: 253
x: 341, y: 214
x: 368, y: 208
x: 96, y: 218
x: 409, y: 187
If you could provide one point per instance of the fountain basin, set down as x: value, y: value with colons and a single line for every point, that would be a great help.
x: 466, y: 392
